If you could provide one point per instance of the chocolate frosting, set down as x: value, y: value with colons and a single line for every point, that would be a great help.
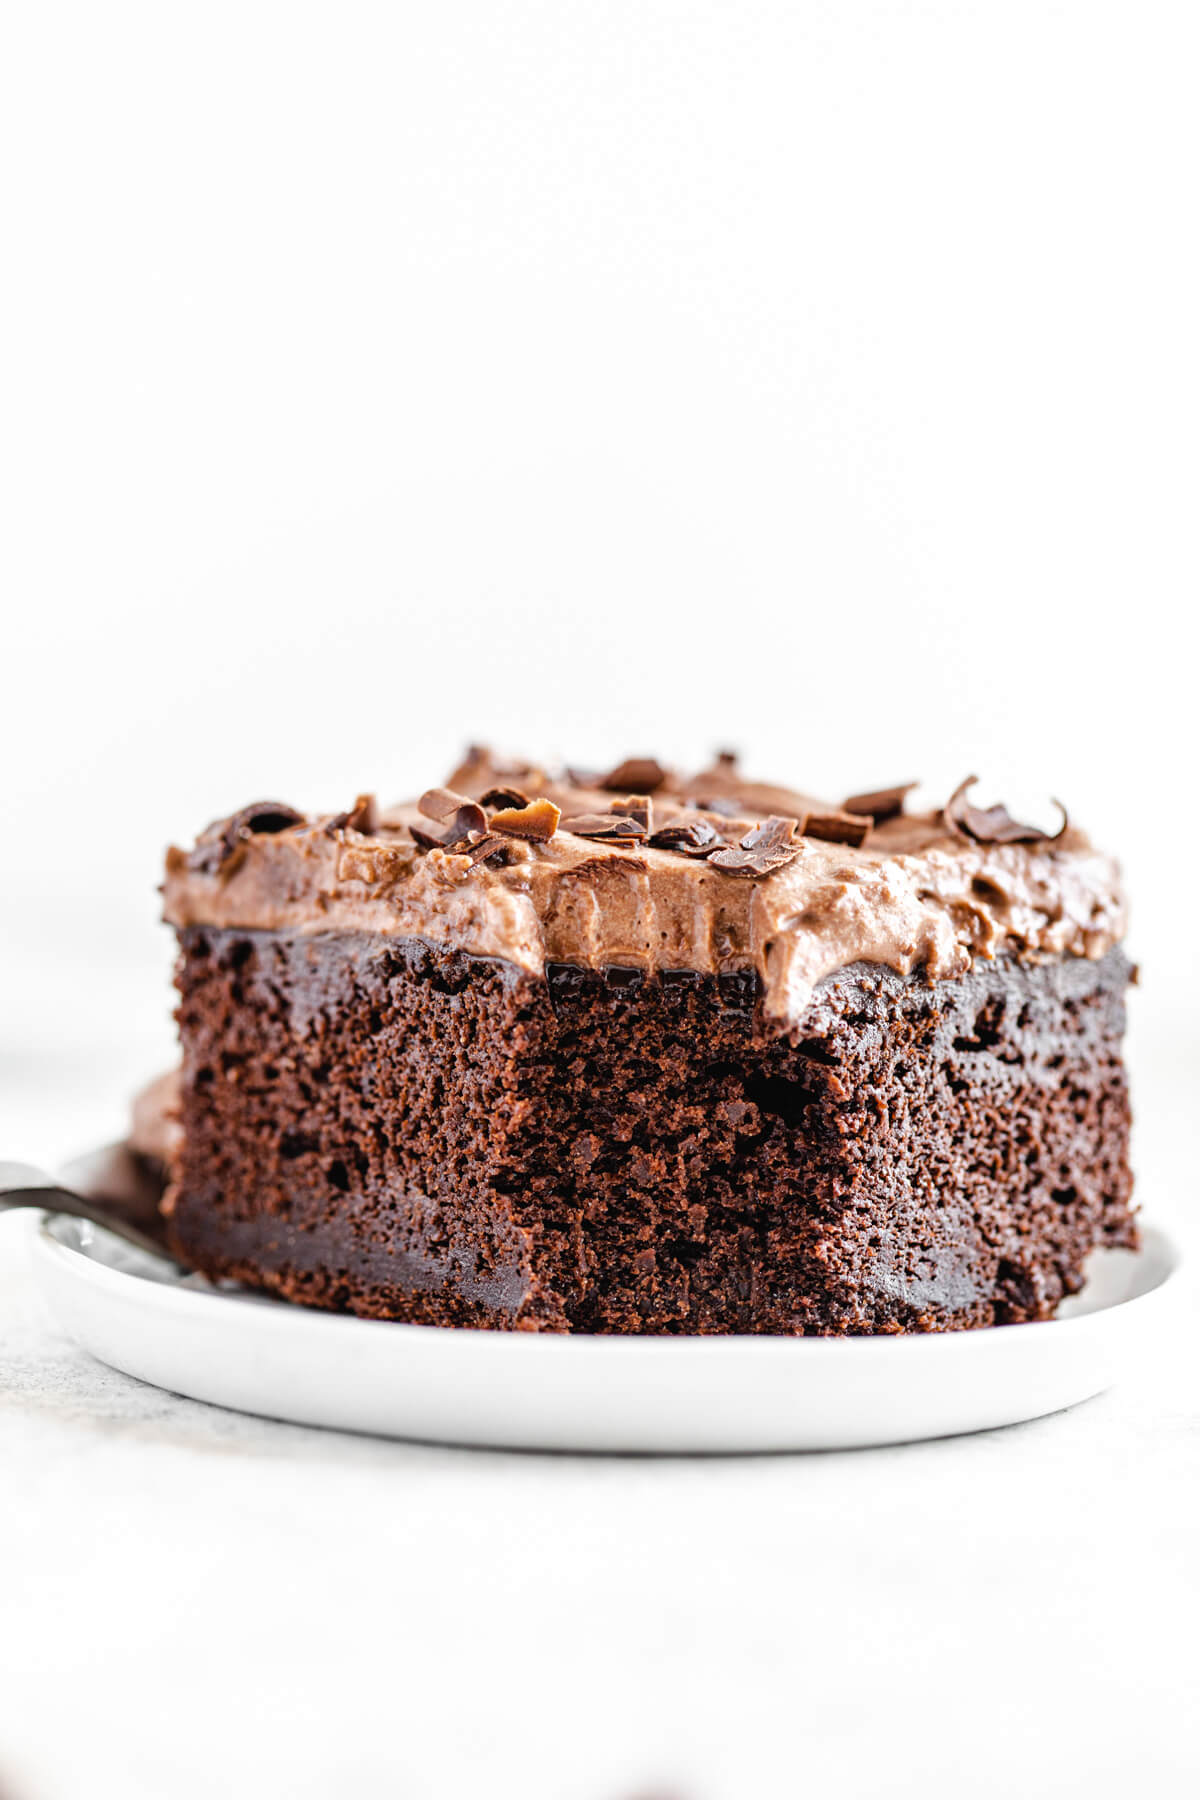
x: 913, y: 895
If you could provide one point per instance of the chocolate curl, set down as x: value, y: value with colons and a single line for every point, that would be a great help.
x: 223, y: 847
x: 459, y: 814
x: 994, y: 824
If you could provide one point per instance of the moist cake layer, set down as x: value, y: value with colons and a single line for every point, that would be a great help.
x: 374, y: 1123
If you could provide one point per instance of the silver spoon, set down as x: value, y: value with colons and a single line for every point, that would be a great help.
x: 22, y: 1185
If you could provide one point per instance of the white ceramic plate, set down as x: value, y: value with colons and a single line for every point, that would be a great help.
x: 528, y: 1391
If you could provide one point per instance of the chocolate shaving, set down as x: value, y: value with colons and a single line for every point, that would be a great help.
x: 722, y: 804
x: 504, y: 796
x: 883, y: 803
x: 459, y: 814
x: 460, y: 839
x: 481, y: 846
x: 837, y: 827
x: 691, y: 837
x: 537, y: 820
x: 637, y: 775
x: 765, y: 848
x: 208, y: 857
x: 614, y: 826
x: 263, y: 817
x: 774, y: 833
x: 363, y: 816
x: 428, y: 840
x: 639, y: 807
x: 224, y: 851
x: 993, y: 825
x: 443, y: 804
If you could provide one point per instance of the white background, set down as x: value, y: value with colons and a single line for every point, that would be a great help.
x: 821, y: 379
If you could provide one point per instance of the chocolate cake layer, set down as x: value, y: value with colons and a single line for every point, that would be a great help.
x: 376, y: 1123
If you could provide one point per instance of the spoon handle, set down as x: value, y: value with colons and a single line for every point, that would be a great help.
x: 21, y: 1185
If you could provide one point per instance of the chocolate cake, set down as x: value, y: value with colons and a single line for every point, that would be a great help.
x: 634, y: 1052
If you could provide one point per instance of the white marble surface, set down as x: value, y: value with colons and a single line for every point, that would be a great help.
x: 198, y: 1603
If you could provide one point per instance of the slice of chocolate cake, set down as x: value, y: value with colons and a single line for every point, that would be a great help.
x: 635, y: 1053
